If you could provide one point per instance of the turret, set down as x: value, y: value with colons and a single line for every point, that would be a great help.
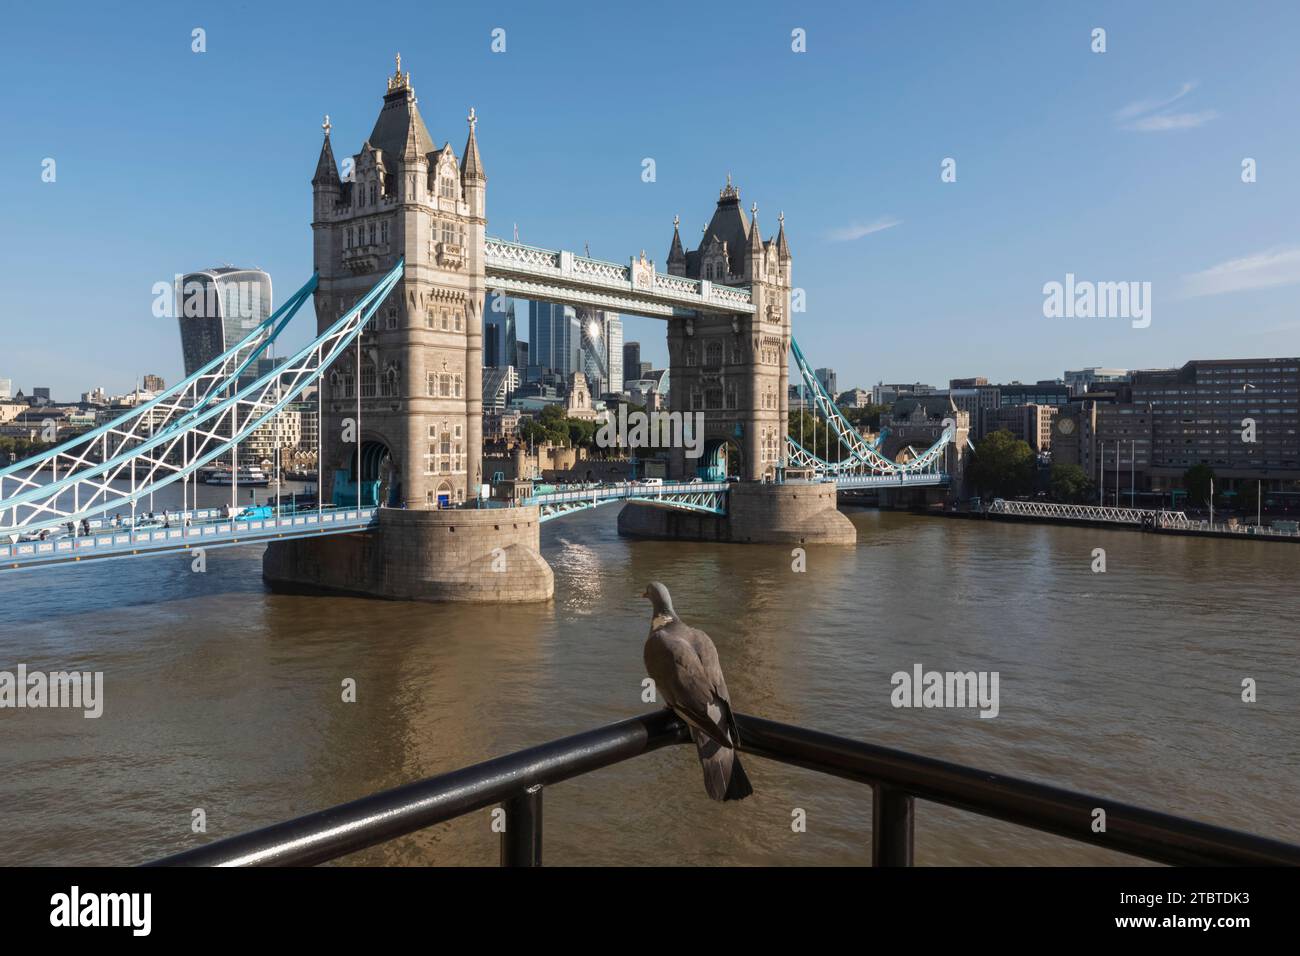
x: 676, y: 255
x: 472, y: 176
x: 755, y: 254
x: 325, y: 184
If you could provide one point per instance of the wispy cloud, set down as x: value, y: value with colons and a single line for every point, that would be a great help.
x: 858, y: 230
x: 1263, y: 270
x: 1154, y: 116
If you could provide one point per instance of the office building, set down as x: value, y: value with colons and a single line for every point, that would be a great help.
x: 216, y: 308
x: 1031, y: 424
x: 601, y: 350
x: 1081, y: 380
x: 554, y: 338
x: 499, y: 386
x: 632, y: 359
x: 500, y: 334
x: 882, y: 394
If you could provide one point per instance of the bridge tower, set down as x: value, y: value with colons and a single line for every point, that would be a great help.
x: 734, y: 368
x: 420, y: 383
x: 421, y: 357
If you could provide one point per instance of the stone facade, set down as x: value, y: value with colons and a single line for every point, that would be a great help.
x: 488, y: 555
x: 757, y: 513
x: 421, y: 356
x: 734, y: 368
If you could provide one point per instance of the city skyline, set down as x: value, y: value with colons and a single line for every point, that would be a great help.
x: 1130, y: 170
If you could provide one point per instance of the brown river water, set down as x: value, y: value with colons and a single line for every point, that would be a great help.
x: 221, y: 696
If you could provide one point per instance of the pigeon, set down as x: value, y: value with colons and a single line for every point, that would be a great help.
x: 684, y: 665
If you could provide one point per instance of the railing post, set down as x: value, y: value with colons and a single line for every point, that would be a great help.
x: 892, y: 818
x: 521, y: 841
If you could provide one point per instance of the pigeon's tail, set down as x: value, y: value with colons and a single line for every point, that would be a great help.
x: 724, y: 777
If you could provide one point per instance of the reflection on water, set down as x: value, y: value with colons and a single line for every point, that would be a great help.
x: 221, y: 696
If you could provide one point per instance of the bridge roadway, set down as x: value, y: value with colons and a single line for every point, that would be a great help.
x: 181, y: 531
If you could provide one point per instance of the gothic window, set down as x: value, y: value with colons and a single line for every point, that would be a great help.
x: 690, y: 355
x: 370, y: 234
x: 713, y: 354
x: 458, y: 384
x: 735, y: 355
x: 713, y: 398
x: 367, y: 380
x: 388, y: 385
x: 447, y: 186
x: 431, y: 388
x: 459, y: 321
x: 445, y: 316
x: 444, y: 386
x: 347, y: 236
x: 372, y: 194
x: 428, y: 318
x: 383, y: 232
x: 391, y: 320
x: 731, y: 396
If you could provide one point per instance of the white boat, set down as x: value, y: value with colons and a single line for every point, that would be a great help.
x: 249, y: 477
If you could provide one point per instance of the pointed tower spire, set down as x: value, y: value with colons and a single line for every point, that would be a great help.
x: 471, y: 165
x: 755, y: 236
x: 327, y: 172
x: 675, y: 252
x: 782, y: 249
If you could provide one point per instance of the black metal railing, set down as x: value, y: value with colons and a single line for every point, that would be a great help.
x: 897, y: 778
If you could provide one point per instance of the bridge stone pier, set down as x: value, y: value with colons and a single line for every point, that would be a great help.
x: 469, y: 555
x: 757, y: 513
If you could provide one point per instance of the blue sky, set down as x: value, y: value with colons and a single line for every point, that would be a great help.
x: 1115, y: 166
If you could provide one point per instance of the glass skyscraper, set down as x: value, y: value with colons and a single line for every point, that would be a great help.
x: 554, y: 338
x: 216, y: 308
x: 602, y: 350
x: 500, y: 340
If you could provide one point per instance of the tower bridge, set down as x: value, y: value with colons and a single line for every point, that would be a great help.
x: 402, y: 264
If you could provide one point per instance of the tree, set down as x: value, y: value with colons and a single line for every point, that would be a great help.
x: 1197, y: 480
x: 813, y: 432
x: 868, y: 416
x: 1247, y: 500
x: 1004, y: 466
x: 1069, y: 483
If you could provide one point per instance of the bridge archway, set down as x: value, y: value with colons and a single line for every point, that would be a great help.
x: 380, y: 481
x: 722, y: 457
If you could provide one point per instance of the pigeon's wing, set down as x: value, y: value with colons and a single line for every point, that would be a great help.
x: 687, y: 682
x: 708, y: 655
